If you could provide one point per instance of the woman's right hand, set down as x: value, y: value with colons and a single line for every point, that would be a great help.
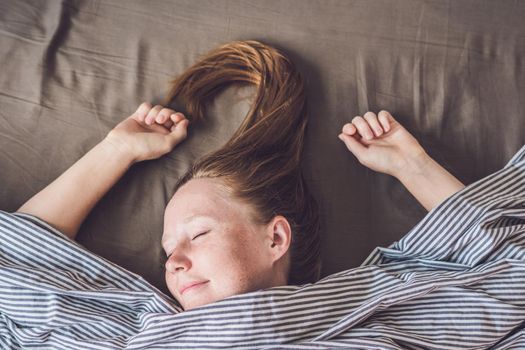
x: 382, y: 144
x: 150, y: 132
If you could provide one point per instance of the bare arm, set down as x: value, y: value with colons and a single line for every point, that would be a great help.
x: 428, y: 181
x: 382, y: 144
x: 148, y: 133
x: 67, y: 201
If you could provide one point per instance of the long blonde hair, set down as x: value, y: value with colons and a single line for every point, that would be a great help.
x: 261, y: 163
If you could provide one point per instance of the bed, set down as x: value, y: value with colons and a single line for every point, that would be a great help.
x: 451, y: 72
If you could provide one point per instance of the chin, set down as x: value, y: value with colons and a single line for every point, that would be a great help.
x: 191, y: 306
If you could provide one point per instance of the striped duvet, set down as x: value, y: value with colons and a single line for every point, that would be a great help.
x: 455, y: 281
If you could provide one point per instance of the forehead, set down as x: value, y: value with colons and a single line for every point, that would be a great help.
x: 198, y: 194
x: 200, y: 197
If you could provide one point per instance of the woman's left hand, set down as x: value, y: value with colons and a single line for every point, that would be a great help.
x: 150, y: 132
x: 382, y: 144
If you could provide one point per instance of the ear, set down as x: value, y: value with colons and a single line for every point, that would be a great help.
x: 279, y: 237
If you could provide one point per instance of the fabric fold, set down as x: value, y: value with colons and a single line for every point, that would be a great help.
x: 456, y: 280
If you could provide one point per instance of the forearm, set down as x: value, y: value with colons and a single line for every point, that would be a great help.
x: 428, y: 181
x: 67, y: 201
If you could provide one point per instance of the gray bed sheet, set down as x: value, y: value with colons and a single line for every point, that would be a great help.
x: 452, y: 72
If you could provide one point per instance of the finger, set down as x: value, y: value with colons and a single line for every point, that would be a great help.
x: 177, y: 117
x: 349, y: 129
x: 178, y: 132
x: 164, y: 115
x: 173, y: 119
x: 142, y: 111
x: 183, y: 122
x: 363, y: 128
x: 373, y: 123
x: 152, y: 114
x: 384, y: 118
x: 353, y: 145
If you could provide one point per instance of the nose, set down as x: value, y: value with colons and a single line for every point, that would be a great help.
x: 177, y: 262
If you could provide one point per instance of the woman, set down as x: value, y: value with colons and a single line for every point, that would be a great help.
x: 212, y: 251
x: 241, y: 235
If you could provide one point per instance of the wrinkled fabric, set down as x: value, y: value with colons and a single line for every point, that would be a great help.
x: 456, y: 280
x: 451, y: 72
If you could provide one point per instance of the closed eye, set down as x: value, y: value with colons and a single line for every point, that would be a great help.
x: 200, y: 234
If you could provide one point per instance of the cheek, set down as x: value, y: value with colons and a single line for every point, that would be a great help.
x: 170, y: 283
x: 240, y: 269
x: 227, y: 262
x: 232, y: 266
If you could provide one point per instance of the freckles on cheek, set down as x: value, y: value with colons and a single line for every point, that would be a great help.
x: 239, y: 252
x: 244, y: 264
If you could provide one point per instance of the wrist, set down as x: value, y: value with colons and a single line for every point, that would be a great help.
x: 119, y: 148
x: 428, y: 181
x: 416, y: 164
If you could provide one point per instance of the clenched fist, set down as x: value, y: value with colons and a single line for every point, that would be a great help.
x: 380, y: 143
x: 150, y: 132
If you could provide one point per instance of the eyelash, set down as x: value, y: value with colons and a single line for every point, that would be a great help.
x: 200, y: 234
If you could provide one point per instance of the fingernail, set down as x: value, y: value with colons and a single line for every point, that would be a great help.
x: 177, y: 116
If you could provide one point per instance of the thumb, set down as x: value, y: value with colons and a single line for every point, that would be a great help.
x: 354, y: 146
x: 178, y: 131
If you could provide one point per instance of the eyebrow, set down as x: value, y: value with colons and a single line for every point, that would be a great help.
x: 197, y: 216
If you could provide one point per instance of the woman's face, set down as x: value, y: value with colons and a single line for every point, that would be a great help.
x: 210, y: 238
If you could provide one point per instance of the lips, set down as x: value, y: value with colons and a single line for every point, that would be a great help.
x: 189, y: 285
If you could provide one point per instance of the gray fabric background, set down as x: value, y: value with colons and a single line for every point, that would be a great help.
x: 452, y: 72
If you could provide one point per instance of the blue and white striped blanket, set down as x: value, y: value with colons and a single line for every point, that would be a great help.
x: 455, y: 281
